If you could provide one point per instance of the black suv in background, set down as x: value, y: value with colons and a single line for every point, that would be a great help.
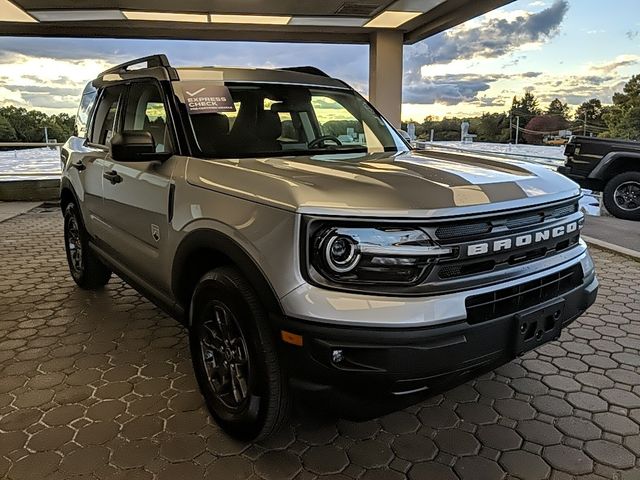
x: 608, y: 166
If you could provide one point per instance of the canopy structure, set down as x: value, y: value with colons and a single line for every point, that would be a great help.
x: 383, y: 24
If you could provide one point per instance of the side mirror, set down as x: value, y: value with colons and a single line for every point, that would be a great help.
x: 134, y: 146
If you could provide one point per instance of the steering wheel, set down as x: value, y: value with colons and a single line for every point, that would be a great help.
x: 320, y: 140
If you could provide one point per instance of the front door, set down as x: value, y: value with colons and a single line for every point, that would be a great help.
x: 137, y: 194
x: 87, y: 157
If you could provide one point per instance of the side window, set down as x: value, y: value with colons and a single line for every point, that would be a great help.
x: 104, y: 123
x: 145, y: 111
x: 84, y: 110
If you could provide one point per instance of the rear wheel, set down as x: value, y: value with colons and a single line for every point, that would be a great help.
x: 622, y: 196
x: 86, y: 268
x: 234, y: 356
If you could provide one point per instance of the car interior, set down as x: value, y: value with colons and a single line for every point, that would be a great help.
x: 272, y: 120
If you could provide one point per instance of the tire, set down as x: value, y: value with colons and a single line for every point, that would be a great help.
x: 622, y: 196
x: 86, y: 268
x: 229, y: 328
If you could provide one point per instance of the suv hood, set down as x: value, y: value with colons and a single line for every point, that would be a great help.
x: 414, y: 184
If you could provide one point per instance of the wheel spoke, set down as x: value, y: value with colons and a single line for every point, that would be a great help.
x: 225, y: 355
x: 212, y: 339
x: 223, y: 322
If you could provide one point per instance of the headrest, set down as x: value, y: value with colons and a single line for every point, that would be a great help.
x: 269, y: 125
x: 210, y: 124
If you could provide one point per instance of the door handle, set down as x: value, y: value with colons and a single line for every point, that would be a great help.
x: 113, y: 177
x: 79, y: 166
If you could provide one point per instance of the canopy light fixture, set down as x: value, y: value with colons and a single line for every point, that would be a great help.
x: 391, y: 19
x: 250, y: 19
x: 166, y: 16
x: 12, y: 13
x: 76, y: 15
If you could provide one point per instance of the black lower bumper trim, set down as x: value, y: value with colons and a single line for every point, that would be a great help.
x: 391, y: 362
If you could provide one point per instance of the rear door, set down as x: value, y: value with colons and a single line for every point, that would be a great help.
x: 136, y: 205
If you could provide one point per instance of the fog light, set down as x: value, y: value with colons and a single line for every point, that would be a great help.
x: 337, y: 356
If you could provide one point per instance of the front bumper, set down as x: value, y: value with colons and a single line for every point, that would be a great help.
x: 397, y: 362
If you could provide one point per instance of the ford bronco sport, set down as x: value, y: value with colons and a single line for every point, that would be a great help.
x: 289, y: 226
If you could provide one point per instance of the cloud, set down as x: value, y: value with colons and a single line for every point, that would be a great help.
x: 44, y: 90
x: 447, y: 89
x: 619, y: 62
x: 347, y: 61
x: 492, y: 38
x: 42, y: 100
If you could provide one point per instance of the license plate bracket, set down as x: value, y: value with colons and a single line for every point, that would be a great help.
x: 538, y: 326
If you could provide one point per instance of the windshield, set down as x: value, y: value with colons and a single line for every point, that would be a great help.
x: 260, y: 120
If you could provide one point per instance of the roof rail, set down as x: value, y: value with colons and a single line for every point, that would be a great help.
x: 151, y: 61
x: 307, y: 69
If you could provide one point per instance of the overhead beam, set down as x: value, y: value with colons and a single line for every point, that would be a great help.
x: 192, y: 31
x: 444, y: 14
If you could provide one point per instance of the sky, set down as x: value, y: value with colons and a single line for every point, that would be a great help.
x: 571, y: 49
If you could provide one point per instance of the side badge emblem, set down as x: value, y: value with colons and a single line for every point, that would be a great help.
x: 155, y: 232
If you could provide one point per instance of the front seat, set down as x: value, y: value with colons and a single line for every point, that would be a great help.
x: 269, y: 129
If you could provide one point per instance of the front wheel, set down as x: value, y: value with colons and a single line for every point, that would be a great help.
x: 86, y: 268
x: 234, y: 356
x: 622, y: 196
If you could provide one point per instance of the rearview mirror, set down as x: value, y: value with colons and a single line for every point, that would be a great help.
x: 134, y: 146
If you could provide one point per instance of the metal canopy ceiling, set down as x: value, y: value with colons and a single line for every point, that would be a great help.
x: 326, y: 21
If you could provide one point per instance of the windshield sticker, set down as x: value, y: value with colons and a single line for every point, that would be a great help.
x: 207, y: 98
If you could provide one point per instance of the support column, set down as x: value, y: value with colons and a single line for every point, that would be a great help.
x: 385, y: 73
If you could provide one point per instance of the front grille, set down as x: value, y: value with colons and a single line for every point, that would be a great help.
x: 507, y: 301
x: 464, y: 231
x: 460, y: 236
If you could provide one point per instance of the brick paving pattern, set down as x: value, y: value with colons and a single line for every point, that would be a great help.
x: 98, y: 385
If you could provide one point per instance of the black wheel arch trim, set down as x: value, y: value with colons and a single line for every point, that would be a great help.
x: 600, y: 172
x: 204, y: 238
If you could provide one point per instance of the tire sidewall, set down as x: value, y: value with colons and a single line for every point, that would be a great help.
x: 608, y: 196
x: 71, y: 212
x: 247, y: 422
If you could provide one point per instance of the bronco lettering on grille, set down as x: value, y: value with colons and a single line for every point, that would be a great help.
x: 520, y: 241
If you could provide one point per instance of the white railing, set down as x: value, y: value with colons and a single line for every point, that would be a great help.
x: 30, y: 144
x: 549, y: 161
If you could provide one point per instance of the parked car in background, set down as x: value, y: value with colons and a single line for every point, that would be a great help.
x: 608, y: 166
x: 290, y: 227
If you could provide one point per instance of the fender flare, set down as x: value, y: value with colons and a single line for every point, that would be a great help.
x: 608, y: 161
x: 204, y: 238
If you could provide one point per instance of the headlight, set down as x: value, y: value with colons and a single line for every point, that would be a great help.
x: 384, y: 255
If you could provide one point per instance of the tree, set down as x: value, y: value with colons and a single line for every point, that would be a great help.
x: 491, y: 127
x: 593, y: 109
x: 7, y: 132
x: 623, y: 117
x: 526, y: 107
x: 556, y: 107
x: 28, y: 125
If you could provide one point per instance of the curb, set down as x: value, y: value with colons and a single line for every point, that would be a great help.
x: 26, y: 207
x: 610, y: 247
